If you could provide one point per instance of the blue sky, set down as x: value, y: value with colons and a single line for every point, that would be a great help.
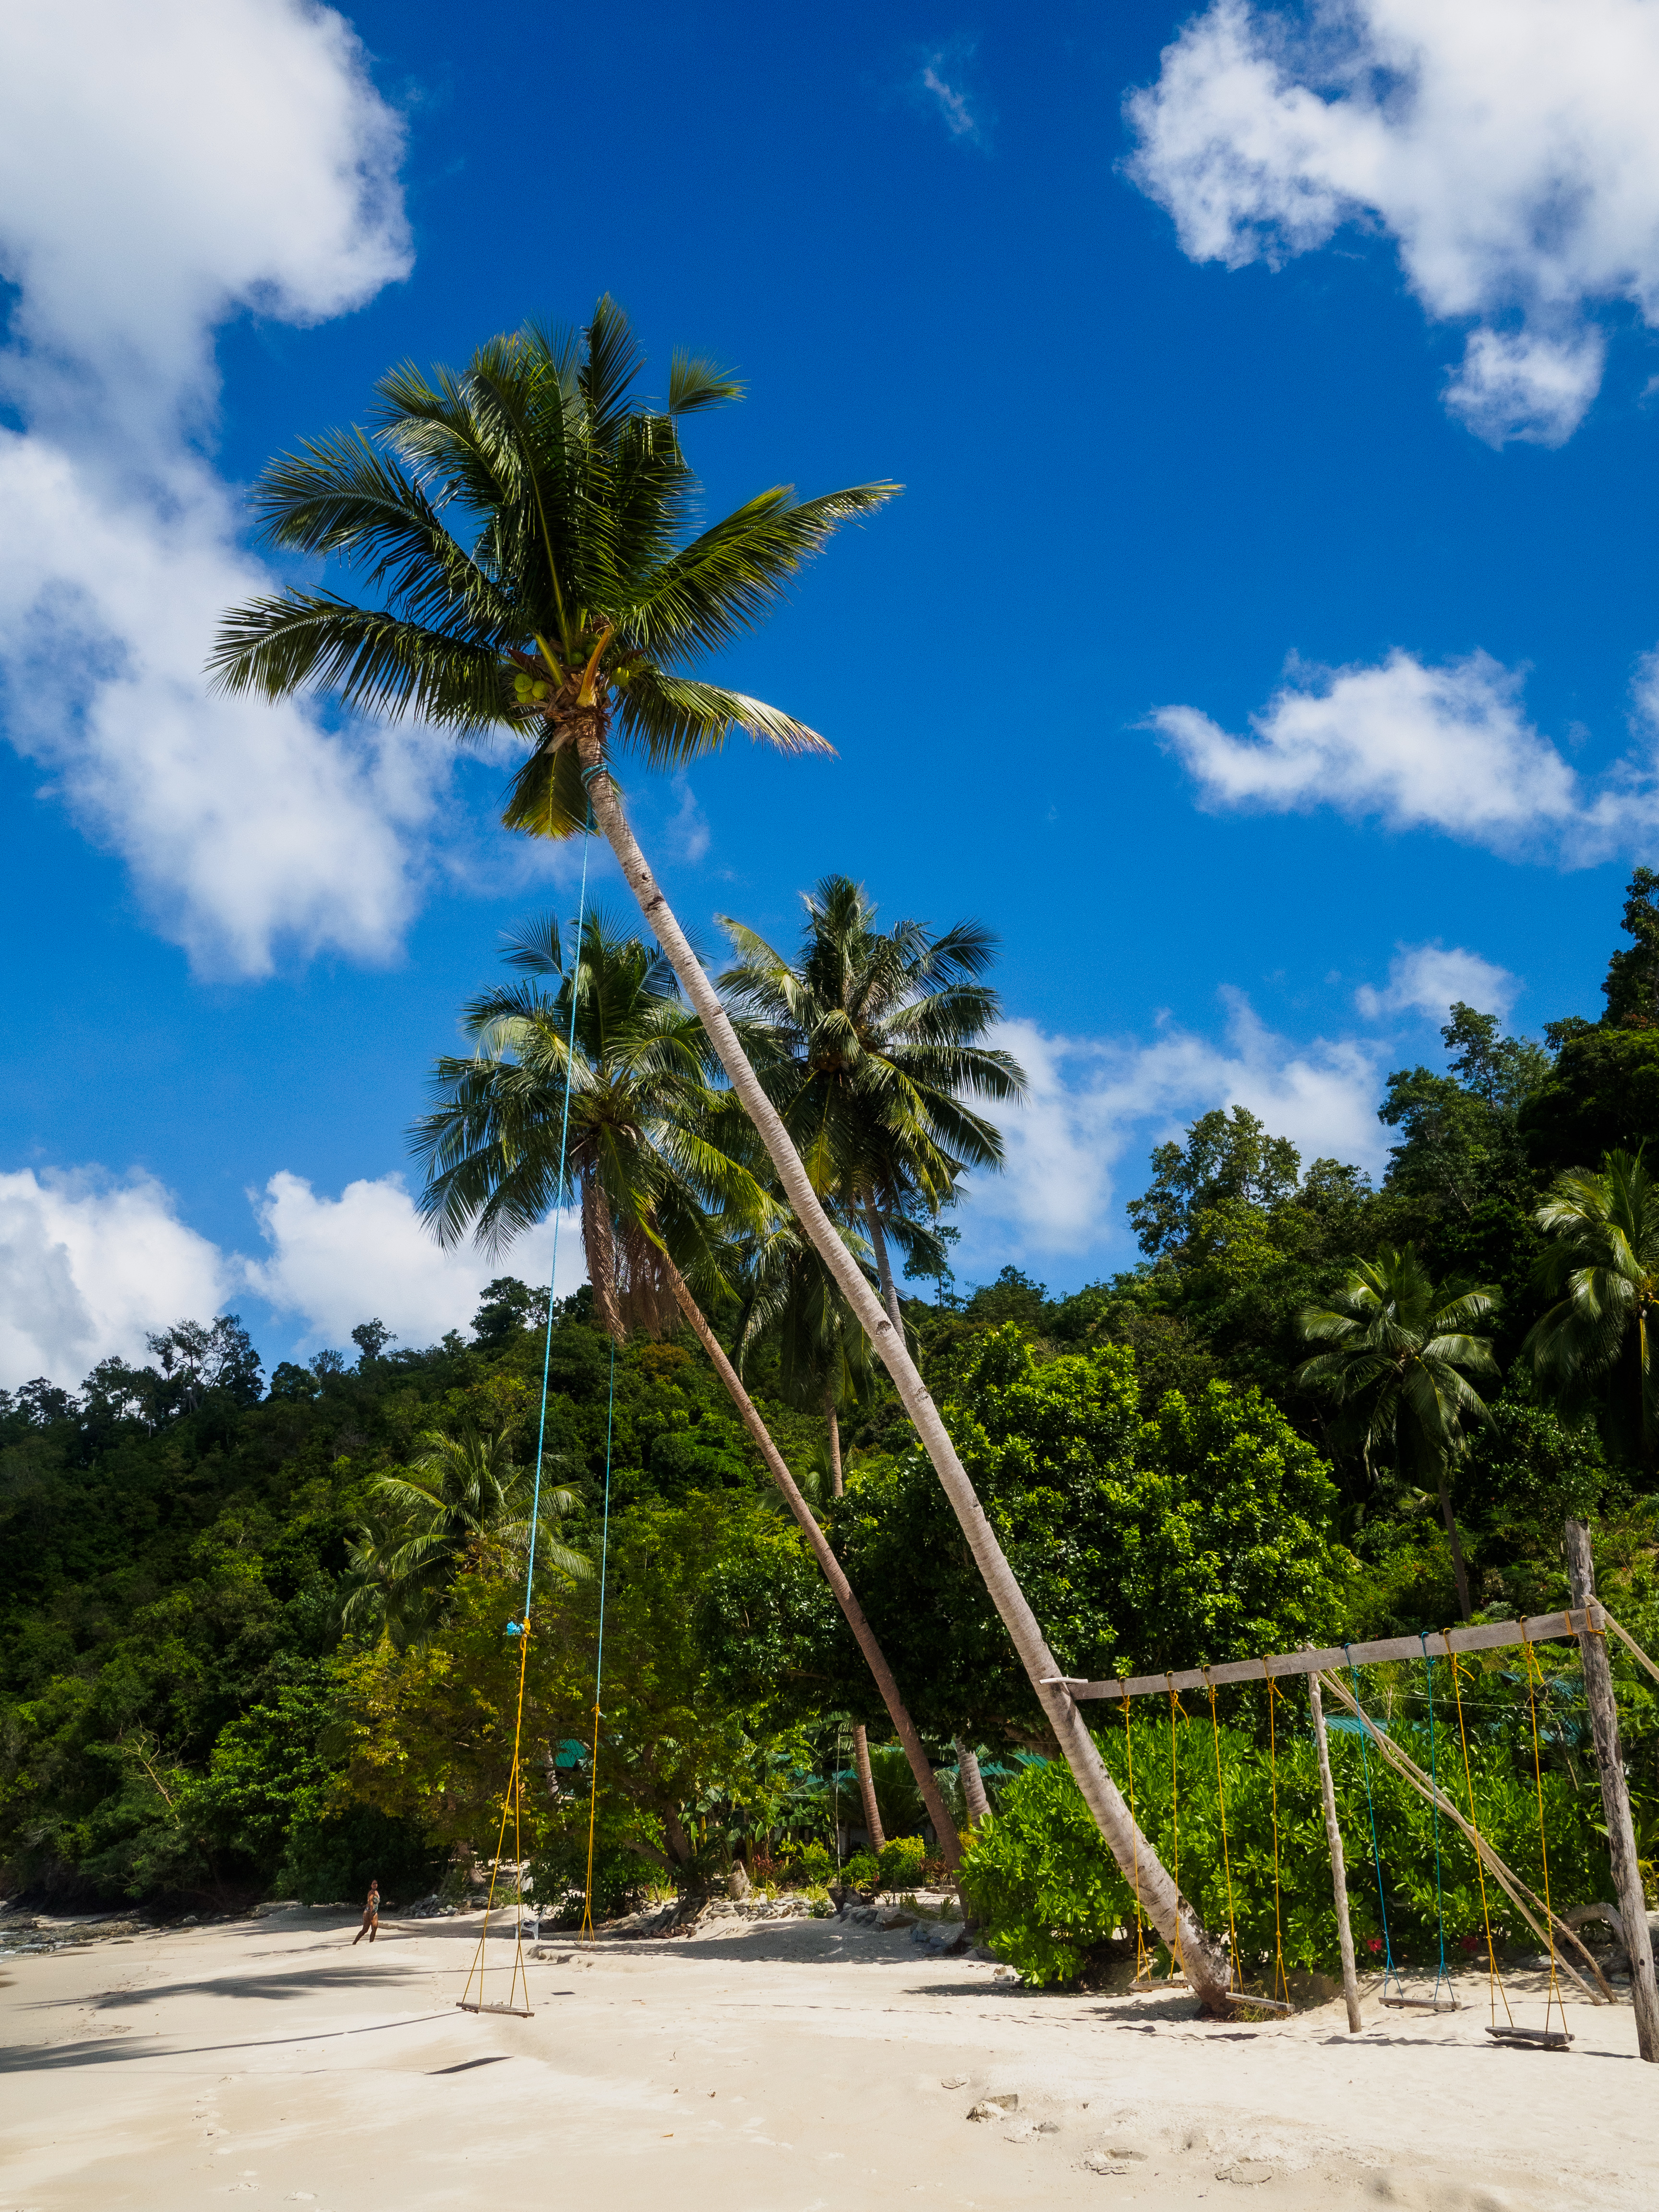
x: 1259, y: 645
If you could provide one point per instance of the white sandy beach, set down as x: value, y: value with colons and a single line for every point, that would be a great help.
x: 789, y: 2067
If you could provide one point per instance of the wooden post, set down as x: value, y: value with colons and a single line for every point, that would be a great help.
x: 1339, y: 1868
x: 1615, y: 1799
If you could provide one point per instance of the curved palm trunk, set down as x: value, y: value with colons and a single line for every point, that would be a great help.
x: 972, y: 1783
x: 867, y: 1786
x: 883, y: 1266
x: 1205, y: 1958
x: 944, y: 1826
x: 860, y: 1734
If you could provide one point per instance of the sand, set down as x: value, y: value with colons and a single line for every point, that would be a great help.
x: 762, y: 2067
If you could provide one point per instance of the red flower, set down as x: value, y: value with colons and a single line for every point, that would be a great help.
x: 1373, y: 1943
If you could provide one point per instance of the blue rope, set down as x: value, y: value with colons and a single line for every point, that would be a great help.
x: 605, y: 1537
x: 515, y: 1628
x: 1444, y: 1975
x: 1389, y: 1972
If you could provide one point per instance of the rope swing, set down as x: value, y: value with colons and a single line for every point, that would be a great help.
x: 512, y: 1802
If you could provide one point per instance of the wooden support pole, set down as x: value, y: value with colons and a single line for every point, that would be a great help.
x: 1339, y: 1868
x: 1615, y: 1801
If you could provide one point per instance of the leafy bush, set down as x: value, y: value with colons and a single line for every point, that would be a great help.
x: 901, y: 1862
x: 1040, y: 1876
x: 862, y: 1870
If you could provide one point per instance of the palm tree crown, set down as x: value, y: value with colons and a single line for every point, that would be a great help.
x: 868, y: 1041
x: 464, y: 1494
x: 641, y: 1155
x: 1403, y: 1348
x: 522, y: 529
x: 1603, y: 1266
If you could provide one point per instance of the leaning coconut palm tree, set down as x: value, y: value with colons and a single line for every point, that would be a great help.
x: 521, y: 530
x: 871, y: 1041
x: 640, y: 1158
x: 1403, y: 1348
x: 464, y: 1494
x: 1604, y: 1256
x: 824, y: 1363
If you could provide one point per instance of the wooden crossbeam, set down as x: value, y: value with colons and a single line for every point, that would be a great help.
x: 1488, y: 1635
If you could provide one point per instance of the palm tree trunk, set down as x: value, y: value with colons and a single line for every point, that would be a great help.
x: 867, y: 1785
x: 1460, y: 1571
x: 833, y: 1417
x: 921, y: 1766
x: 860, y: 1734
x: 1206, y: 1959
x: 883, y: 1266
x: 972, y: 1783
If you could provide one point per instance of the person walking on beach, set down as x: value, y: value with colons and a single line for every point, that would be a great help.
x: 371, y: 1915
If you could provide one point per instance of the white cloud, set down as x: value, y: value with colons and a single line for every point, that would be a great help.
x: 1444, y: 747
x: 1094, y: 1101
x: 1431, y: 979
x: 950, y: 101
x: 162, y: 169
x: 1504, y: 145
x: 88, y: 1263
x: 366, y: 1255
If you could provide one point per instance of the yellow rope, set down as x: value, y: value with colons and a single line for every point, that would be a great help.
x: 587, y: 1927
x: 1143, y: 1971
x: 1281, y: 1986
x: 1226, y: 1856
x: 1177, y: 1963
x: 509, y: 1804
x: 1494, y: 1980
x: 1553, y: 1993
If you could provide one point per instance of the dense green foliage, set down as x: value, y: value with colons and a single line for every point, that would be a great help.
x: 209, y: 1686
x: 1053, y: 1895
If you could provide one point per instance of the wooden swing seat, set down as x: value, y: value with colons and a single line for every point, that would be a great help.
x: 1421, y: 2005
x: 518, y: 2012
x: 1543, y: 2039
x: 1262, y: 2004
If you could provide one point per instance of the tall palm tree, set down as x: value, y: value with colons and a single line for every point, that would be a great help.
x: 1604, y: 1256
x: 868, y: 1042
x: 464, y: 1494
x: 822, y: 1363
x: 637, y: 1154
x: 1403, y: 1348
x: 520, y: 528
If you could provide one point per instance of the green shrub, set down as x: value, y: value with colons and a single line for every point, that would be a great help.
x: 862, y: 1870
x: 811, y: 1864
x: 1039, y: 1875
x: 901, y: 1862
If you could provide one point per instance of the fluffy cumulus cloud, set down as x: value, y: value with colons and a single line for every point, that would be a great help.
x: 336, y: 1262
x: 1096, y: 1105
x: 1431, y: 979
x: 1443, y: 746
x: 1504, y: 145
x: 160, y: 170
x: 88, y: 1264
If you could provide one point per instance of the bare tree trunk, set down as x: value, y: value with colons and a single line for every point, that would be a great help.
x: 1207, y: 1965
x: 972, y: 1783
x: 883, y: 1266
x: 867, y: 1785
x: 1339, y: 1869
x: 1615, y: 1799
x: 1459, y: 1570
x: 944, y: 1826
x: 833, y: 1417
x: 599, y: 1250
